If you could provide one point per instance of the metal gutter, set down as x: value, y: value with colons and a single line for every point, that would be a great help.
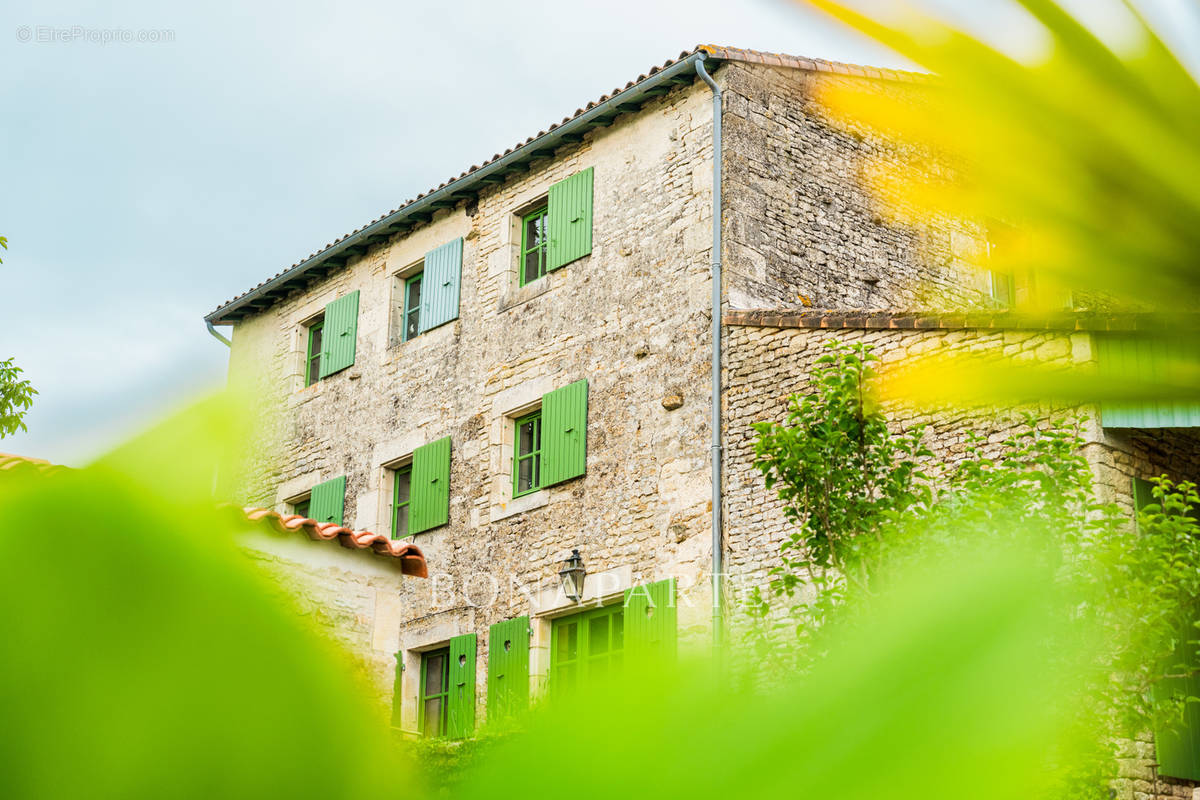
x: 717, y: 539
x: 214, y: 332
x: 470, y: 183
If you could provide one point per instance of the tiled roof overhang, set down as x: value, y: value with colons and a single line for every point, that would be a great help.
x: 13, y: 464
x: 658, y: 81
x: 412, y: 560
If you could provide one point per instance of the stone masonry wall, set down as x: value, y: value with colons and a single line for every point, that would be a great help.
x: 631, y: 318
x: 765, y: 365
x: 801, y: 226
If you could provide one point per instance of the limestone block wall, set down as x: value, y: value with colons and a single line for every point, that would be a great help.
x: 802, y: 228
x: 766, y: 365
x: 632, y: 318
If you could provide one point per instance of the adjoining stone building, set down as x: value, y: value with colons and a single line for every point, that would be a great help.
x: 516, y: 365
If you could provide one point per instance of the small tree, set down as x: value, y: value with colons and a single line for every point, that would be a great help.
x: 842, y: 475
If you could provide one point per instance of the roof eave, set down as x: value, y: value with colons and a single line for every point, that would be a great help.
x: 627, y: 100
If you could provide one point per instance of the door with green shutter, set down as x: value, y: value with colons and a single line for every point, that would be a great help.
x: 327, y: 502
x: 569, y: 220
x: 440, y: 285
x: 338, y: 334
x: 651, y: 623
x: 430, y: 488
x: 460, y: 716
x: 586, y: 648
x: 508, y: 670
x: 564, y: 433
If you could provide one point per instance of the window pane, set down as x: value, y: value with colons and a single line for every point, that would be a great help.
x: 618, y: 630
x: 533, y: 232
x: 533, y: 265
x: 413, y: 290
x: 568, y: 642
x: 526, y: 438
x: 435, y: 664
x: 525, y: 476
x: 597, y: 635
x: 301, y: 508
x: 403, y: 485
x: 433, y: 717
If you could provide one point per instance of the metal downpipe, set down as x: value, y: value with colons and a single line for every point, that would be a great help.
x: 717, y: 543
x: 218, y: 336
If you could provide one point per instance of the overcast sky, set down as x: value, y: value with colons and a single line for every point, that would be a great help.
x: 143, y: 184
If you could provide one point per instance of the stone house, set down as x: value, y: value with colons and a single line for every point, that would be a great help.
x: 517, y: 365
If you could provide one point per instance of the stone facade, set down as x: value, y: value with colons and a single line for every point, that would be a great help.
x: 633, y: 319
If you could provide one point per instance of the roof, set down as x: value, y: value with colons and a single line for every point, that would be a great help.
x: 13, y: 464
x: 656, y: 81
x: 412, y: 560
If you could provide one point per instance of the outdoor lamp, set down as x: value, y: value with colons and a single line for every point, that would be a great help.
x: 572, y: 575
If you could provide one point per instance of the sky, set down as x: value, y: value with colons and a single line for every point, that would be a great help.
x: 144, y: 183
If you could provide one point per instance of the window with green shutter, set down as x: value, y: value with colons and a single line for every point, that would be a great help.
x: 339, y: 333
x: 550, y: 444
x: 569, y: 220
x: 564, y: 433
x: 508, y: 670
x: 312, y: 362
x: 326, y: 503
x: 527, y: 454
x: 1177, y: 744
x: 586, y: 647
x: 421, y: 490
x: 534, y: 242
x: 401, y: 500
x: 460, y: 714
x: 651, y: 623
x: 433, y: 702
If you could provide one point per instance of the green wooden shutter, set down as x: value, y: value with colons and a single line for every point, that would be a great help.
x: 1142, y: 496
x: 440, y: 285
x: 1155, y: 362
x: 564, y: 433
x: 398, y: 692
x: 1177, y: 746
x: 339, y: 334
x: 508, y: 670
x: 569, y: 219
x: 430, y: 506
x: 651, y: 622
x: 328, y: 500
x: 460, y: 722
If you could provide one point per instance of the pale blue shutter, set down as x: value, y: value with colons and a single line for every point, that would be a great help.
x: 440, y: 285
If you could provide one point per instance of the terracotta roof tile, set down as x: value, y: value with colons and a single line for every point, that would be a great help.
x: 13, y: 464
x: 412, y: 560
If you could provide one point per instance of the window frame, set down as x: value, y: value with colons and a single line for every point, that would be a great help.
x: 543, y: 212
x: 444, y: 694
x: 584, y: 660
x: 535, y: 455
x: 302, y: 505
x: 397, y: 473
x: 312, y: 330
x: 406, y: 313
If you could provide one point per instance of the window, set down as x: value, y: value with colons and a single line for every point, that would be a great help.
x: 534, y: 242
x: 586, y: 647
x: 312, y: 371
x: 401, y: 501
x: 412, y: 306
x: 301, y: 507
x: 527, y: 454
x: 433, y: 704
